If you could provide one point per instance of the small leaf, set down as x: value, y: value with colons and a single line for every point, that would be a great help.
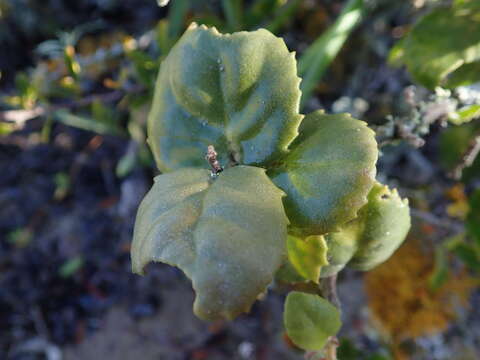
x: 473, y: 217
x: 307, y: 255
x: 6, y: 128
x: 71, y: 266
x: 227, y: 234
x: 441, y: 43
x: 238, y: 92
x: 328, y: 173
x: 380, y: 228
x: 20, y: 237
x: 86, y: 123
x: 440, y: 271
x: 465, y: 115
x: 468, y: 254
x: 310, y: 320
x: 128, y: 161
x: 63, y: 185
x: 283, y: 15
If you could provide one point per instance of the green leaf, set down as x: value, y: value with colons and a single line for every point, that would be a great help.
x: 128, y: 161
x: 465, y: 115
x: 316, y: 59
x: 380, y: 228
x: 283, y: 15
x: 473, y: 217
x: 176, y: 17
x: 238, y: 92
x: 468, y: 255
x: 20, y: 237
x: 440, y: 271
x: 310, y: 320
x: 6, y: 128
x: 287, y: 274
x: 341, y: 248
x: 464, y: 75
x: 87, y: 123
x: 260, y: 10
x: 397, y: 53
x: 233, y: 10
x: 442, y: 42
x: 227, y: 234
x: 307, y: 255
x: 454, y: 143
x: 328, y: 173
x: 71, y: 266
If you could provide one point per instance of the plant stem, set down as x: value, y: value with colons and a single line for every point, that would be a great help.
x: 329, y: 290
x: 468, y: 158
x: 328, y: 287
x: 211, y: 157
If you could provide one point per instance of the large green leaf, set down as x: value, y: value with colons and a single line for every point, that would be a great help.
x: 328, y: 173
x: 442, y: 42
x: 380, y: 228
x: 307, y: 255
x: 227, y: 234
x: 310, y: 320
x: 238, y: 92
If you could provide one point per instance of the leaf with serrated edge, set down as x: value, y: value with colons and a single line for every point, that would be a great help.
x: 379, y: 229
x: 381, y: 226
x: 310, y: 320
x: 228, y: 235
x: 238, y: 92
x: 328, y: 173
x: 307, y: 255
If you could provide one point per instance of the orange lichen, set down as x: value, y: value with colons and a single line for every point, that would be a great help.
x: 401, y: 301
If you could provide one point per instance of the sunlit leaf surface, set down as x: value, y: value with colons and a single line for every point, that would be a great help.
x: 227, y: 234
x: 238, y: 92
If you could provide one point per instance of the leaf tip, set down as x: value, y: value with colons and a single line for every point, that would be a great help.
x: 192, y: 26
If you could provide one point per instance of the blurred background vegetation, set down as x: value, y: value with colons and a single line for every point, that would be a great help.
x: 76, y: 81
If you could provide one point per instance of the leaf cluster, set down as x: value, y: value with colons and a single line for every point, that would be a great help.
x: 296, y: 190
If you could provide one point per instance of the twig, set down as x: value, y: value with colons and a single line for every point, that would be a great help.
x: 19, y: 117
x: 468, y: 158
x: 211, y: 157
x: 329, y: 290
